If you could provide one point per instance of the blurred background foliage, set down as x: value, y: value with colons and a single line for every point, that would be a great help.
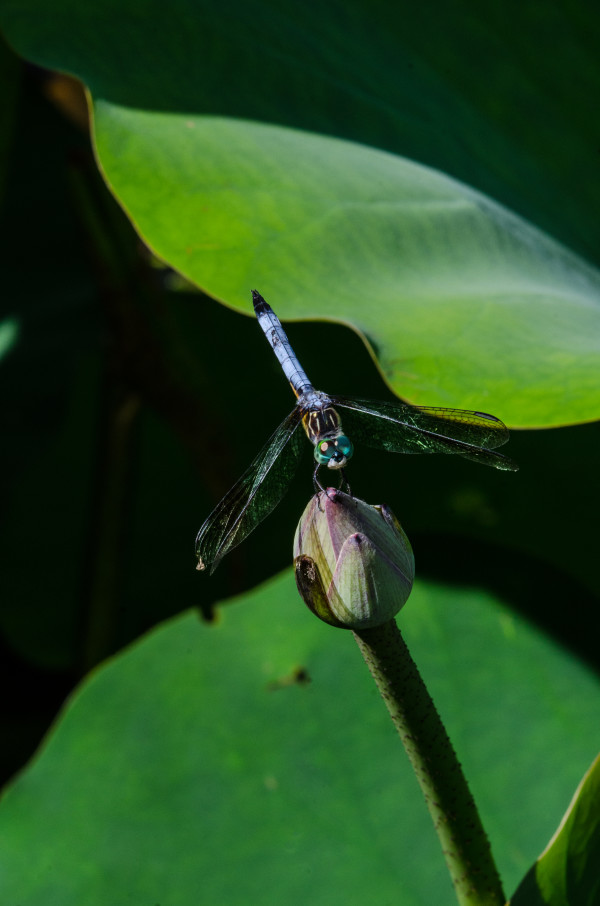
x: 123, y: 419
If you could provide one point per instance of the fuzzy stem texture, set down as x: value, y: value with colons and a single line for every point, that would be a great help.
x: 452, y: 807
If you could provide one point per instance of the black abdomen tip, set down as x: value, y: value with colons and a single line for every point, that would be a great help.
x: 259, y: 303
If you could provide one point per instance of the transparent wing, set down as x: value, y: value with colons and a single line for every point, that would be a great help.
x: 253, y: 497
x: 400, y: 428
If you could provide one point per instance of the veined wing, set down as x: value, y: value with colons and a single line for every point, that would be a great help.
x: 254, y: 496
x: 400, y: 428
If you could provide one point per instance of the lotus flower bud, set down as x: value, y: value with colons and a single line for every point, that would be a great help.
x: 354, y: 564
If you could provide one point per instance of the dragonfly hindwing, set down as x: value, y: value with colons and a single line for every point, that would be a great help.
x: 254, y: 496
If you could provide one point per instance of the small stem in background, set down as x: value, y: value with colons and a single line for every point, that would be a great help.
x: 111, y: 518
x: 140, y: 333
x: 452, y: 807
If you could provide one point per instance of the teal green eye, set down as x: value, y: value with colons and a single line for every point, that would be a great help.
x: 324, y: 451
x: 344, y: 444
x: 334, y: 451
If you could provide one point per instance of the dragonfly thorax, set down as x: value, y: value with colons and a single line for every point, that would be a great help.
x: 323, y: 427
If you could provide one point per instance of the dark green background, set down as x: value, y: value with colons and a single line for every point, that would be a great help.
x: 123, y: 419
x: 531, y: 535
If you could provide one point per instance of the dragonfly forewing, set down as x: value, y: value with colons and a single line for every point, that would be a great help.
x: 400, y: 428
x: 254, y: 496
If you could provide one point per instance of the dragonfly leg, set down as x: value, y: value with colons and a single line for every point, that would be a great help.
x: 316, y: 483
x: 318, y: 487
x: 344, y: 483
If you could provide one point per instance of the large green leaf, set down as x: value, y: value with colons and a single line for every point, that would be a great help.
x: 464, y: 303
x: 451, y: 309
x: 199, y: 767
x: 501, y: 97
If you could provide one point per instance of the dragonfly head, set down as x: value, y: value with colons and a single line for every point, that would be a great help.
x: 334, y: 452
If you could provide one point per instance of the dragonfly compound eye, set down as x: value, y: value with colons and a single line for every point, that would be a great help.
x: 334, y: 452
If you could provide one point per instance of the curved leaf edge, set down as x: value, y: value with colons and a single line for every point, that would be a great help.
x: 370, y: 345
x: 566, y: 874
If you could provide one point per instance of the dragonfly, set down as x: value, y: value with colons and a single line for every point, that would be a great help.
x: 392, y: 426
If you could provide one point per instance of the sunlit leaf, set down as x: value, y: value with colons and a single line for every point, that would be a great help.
x: 464, y: 303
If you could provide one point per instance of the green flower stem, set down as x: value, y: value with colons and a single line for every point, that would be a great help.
x: 449, y: 800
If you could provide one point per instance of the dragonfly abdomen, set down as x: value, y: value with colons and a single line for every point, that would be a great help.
x: 275, y: 334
